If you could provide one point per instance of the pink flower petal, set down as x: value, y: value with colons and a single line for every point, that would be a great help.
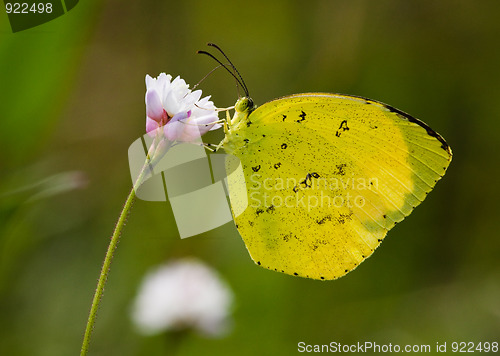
x: 151, y: 126
x: 191, y: 115
x: 149, y: 81
x: 170, y: 104
x: 173, y: 130
x: 154, y: 108
x: 180, y: 128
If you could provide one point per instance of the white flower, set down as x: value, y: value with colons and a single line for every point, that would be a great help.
x: 182, y: 294
x: 182, y: 114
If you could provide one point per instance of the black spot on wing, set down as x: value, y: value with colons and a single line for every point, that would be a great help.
x: 284, y: 117
x: 277, y: 165
x: 324, y: 220
x: 284, y: 146
x: 307, y: 182
x: 256, y: 168
x: 340, y: 169
x: 343, y: 127
x: 344, y: 217
x: 302, y: 117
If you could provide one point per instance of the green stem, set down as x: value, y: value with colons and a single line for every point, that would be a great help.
x: 105, y: 271
x: 156, y: 152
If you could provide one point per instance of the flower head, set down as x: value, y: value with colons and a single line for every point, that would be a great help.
x: 181, y: 295
x: 181, y: 113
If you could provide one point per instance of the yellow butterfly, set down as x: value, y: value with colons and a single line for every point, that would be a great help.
x: 326, y: 176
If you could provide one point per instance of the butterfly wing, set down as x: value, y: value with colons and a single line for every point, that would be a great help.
x: 326, y: 176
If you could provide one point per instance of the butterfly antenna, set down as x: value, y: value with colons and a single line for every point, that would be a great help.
x: 206, y: 76
x: 223, y: 66
x: 242, y: 82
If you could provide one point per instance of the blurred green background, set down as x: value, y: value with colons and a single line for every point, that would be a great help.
x: 72, y: 101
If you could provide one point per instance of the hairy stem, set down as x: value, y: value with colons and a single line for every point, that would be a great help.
x: 105, y: 271
x: 156, y: 152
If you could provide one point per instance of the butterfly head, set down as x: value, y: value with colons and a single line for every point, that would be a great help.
x: 244, y: 105
x: 242, y: 109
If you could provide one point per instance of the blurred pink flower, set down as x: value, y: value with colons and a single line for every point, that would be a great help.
x: 182, y: 114
x: 184, y: 294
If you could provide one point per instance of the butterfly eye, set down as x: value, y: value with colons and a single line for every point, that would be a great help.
x: 244, y: 104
